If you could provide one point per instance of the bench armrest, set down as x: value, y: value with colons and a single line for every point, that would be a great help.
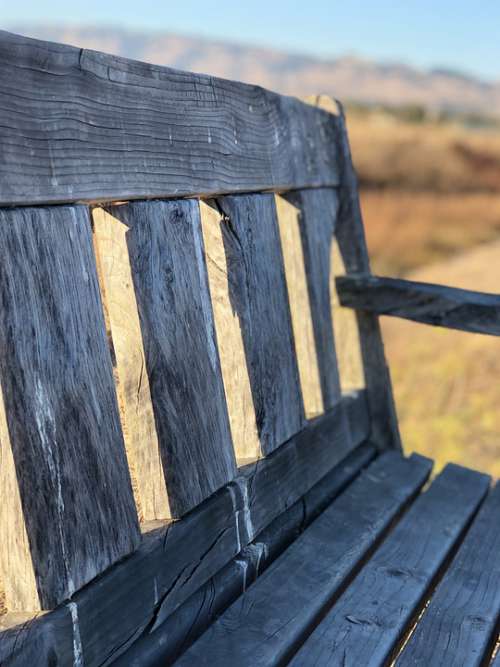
x: 422, y: 302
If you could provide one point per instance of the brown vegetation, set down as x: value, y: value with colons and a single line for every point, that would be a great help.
x: 431, y: 204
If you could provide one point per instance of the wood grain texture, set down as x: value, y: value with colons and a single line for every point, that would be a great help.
x: 258, y: 295
x: 300, y: 308
x: 460, y: 625
x: 167, y: 642
x: 352, y: 245
x: 60, y: 408
x: 279, y: 480
x: 172, y: 563
x: 165, y: 247
x: 365, y: 625
x: 131, y: 378
x: 80, y: 125
x: 262, y: 627
x: 439, y: 305
x: 317, y: 214
x: 229, y: 339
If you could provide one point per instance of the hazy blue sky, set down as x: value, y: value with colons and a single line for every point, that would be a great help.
x: 461, y: 34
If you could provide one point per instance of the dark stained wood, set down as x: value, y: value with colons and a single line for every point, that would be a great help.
x: 60, y: 410
x: 81, y: 125
x: 173, y: 562
x: 318, y: 213
x: 181, y: 360
x: 460, y: 625
x: 364, y: 626
x: 166, y: 642
x: 352, y: 244
x: 422, y: 302
x: 262, y: 626
x: 279, y: 480
x: 257, y: 290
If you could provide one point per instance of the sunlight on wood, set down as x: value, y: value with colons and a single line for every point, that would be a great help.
x: 230, y: 341
x: 298, y: 296
x: 134, y: 397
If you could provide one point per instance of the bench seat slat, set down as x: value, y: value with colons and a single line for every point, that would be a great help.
x: 363, y: 628
x: 461, y: 622
x: 261, y: 627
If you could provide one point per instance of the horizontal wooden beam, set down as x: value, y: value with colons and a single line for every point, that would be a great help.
x: 439, y: 305
x: 108, y: 615
x: 79, y: 125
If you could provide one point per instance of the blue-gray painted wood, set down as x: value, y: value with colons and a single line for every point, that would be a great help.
x: 165, y: 245
x: 60, y: 401
x: 366, y: 624
x: 263, y: 626
x: 79, y: 125
x: 258, y: 294
x: 460, y: 625
x: 428, y: 303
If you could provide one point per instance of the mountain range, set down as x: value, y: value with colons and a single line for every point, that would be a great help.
x: 348, y: 78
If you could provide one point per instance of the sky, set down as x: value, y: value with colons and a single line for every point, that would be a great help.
x: 458, y: 34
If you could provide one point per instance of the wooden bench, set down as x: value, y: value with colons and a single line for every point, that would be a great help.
x: 199, y: 454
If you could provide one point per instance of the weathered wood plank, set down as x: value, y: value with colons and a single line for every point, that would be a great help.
x: 229, y: 338
x: 460, y: 625
x: 169, y: 566
x: 300, y: 308
x: 131, y: 378
x: 165, y: 248
x: 279, y: 480
x: 352, y: 245
x: 80, y: 125
x: 60, y: 410
x: 317, y: 214
x: 259, y: 297
x: 163, y: 644
x: 439, y: 305
x: 262, y: 626
x: 365, y: 625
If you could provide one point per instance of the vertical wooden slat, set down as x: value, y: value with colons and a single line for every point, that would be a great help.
x: 318, y: 209
x: 352, y: 245
x: 230, y: 339
x: 134, y: 396
x: 165, y: 247
x: 345, y: 326
x: 298, y: 297
x: 258, y: 295
x: 61, y: 417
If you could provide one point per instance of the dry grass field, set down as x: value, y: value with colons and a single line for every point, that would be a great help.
x: 431, y: 205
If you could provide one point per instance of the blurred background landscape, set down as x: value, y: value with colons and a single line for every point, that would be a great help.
x: 426, y: 146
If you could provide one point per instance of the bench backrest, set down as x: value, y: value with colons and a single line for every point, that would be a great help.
x: 167, y: 306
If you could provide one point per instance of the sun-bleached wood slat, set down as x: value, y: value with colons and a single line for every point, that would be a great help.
x: 175, y: 560
x: 346, y: 331
x: 167, y: 264
x: 350, y: 236
x: 258, y: 296
x: 298, y: 297
x: 229, y: 338
x: 318, y: 210
x: 134, y: 395
x: 61, y: 416
x: 80, y: 125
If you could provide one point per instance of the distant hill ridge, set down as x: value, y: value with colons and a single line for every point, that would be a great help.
x: 348, y: 78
